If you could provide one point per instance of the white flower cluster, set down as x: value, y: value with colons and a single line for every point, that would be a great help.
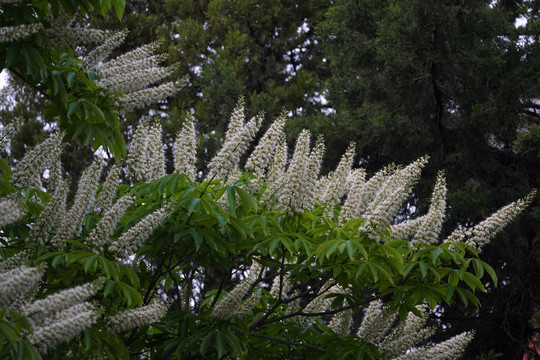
x: 108, y: 191
x: 341, y: 322
x: 17, y: 281
x: 451, y: 349
x: 146, y: 158
x: 50, y: 216
x: 230, y: 305
x: 236, y: 142
x: 130, y: 319
x: 376, y: 323
x: 130, y: 241
x: 350, y: 209
x: 8, y: 131
x: 481, y: 234
x: 38, y: 312
x: 155, y: 166
x: 261, y: 156
x: 16, y: 33
x: 29, y: 170
x: 63, y: 326
x: 146, y: 97
x: 391, y: 195
x: 185, y: 149
x: 291, y: 195
x: 335, y: 185
x: 10, y: 212
x: 105, y: 227
x: 82, y: 205
x: 312, y: 171
x: 137, y: 156
x: 403, y: 341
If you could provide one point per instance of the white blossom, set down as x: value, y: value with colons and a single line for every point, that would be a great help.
x: 144, y: 315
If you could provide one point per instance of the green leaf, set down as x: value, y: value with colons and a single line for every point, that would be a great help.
x: 435, y: 254
x: 73, y: 107
x: 220, y: 344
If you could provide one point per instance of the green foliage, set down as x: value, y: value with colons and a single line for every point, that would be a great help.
x: 204, y: 245
x: 81, y: 107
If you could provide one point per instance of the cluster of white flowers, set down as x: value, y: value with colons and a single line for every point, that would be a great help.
x: 356, y: 181
x: 291, y: 194
x: 38, y: 312
x: 237, y: 139
x: 376, y: 322
x: 185, y: 148
x: 16, y: 33
x: 28, y: 171
x: 82, y: 205
x: 51, y: 215
x: 312, y: 171
x: 146, y: 158
x: 155, y: 165
x: 10, y: 212
x: 17, y: 281
x: 63, y: 326
x: 108, y: 191
x: 261, y: 156
x: 391, y: 195
x: 131, y: 240
x: 130, y: 319
x: 231, y: 305
x: 8, y: 131
x: 478, y: 236
x: 451, y: 349
x: 105, y: 227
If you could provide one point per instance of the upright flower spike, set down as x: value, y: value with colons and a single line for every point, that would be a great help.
x: 50, y: 216
x: 236, y: 123
x: 291, y: 195
x: 337, y: 184
x: 106, y: 226
x: 312, y: 173
x: 236, y: 143
x: 131, y: 240
x: 17, y: 281
x: 40, y: 311
x: 407, y: 335
x: 392, y: 194
x: 341, y: 322
x: 481, y: 234
x: 133, y: 318
x: 261, y: 156
x: 430, y: 227
x: 373, y: 186
x: 351, y: 206
x: 82, y: 205
x: 376, y: 323
x: 278, y: 163
x: 63, y: 326
x: 29, y: 170
x: 137, y: 155
x: 108, y: 191
x: 185, y: 149
x: 10, y: 212
x: 227, y: 307
x: 275, y: 176
x: 155, y: 161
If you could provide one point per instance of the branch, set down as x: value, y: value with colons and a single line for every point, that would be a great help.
x: 287, y: 342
